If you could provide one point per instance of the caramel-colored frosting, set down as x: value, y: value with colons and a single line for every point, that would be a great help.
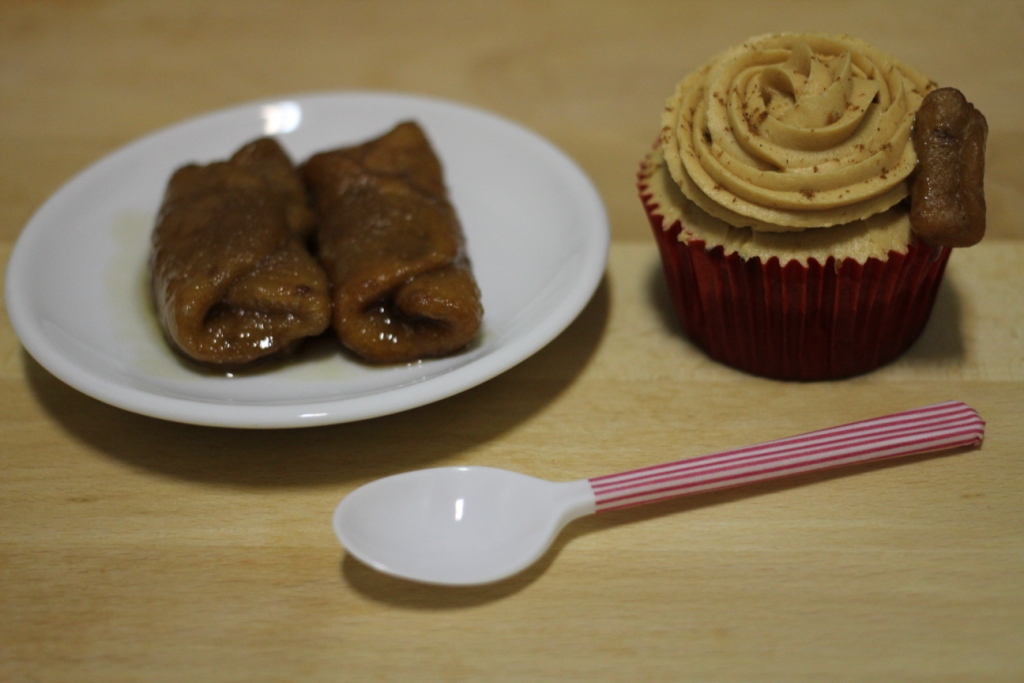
x: 794, y: 131
x: 860, y: 240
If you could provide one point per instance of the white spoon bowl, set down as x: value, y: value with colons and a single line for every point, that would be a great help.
x: 457, y: 525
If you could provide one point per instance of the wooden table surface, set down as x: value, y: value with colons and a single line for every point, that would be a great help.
x: 133, y: 549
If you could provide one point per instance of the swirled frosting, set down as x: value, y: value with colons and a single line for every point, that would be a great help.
x: 794, y: 131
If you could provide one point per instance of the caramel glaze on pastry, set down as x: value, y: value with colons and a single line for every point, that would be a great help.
x: 393, y: 249
x: 232, y: 279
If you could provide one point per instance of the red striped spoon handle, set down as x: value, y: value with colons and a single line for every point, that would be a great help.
x: 923, y: 430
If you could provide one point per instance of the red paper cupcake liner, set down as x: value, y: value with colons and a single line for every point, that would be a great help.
x: 797, y: 322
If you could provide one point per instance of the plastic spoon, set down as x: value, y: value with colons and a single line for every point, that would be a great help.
x: 474, y: 525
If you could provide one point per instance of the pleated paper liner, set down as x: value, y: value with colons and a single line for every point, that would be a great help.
x: 795, y: 322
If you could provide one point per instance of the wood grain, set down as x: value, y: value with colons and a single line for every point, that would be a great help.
x: 136, y: 549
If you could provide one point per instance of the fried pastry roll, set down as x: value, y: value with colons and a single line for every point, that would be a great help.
x: 231, y: 277
x: 393, y: 249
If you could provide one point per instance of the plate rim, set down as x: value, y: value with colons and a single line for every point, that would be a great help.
x: 302, y: 414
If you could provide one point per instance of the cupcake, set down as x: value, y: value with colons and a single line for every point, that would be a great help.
x: 780, y: 197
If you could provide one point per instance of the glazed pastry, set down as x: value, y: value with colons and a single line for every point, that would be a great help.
x: 232, y: 280
x: 393, y: 249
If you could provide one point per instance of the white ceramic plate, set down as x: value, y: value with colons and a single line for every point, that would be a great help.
x: 76, y: 285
